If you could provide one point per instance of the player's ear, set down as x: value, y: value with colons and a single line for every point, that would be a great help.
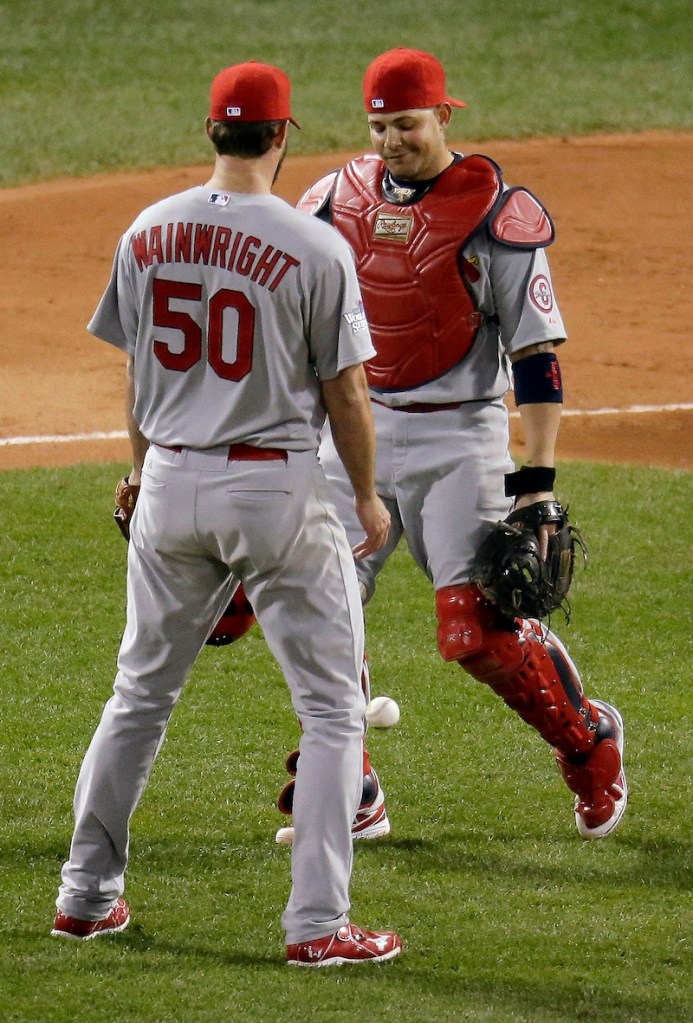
x: 281, y: 134
x: 443, y: 114
x: 208, y: 127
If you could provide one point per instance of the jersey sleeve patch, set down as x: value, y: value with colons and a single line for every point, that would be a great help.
x: 522, y: 221
x: 541, y: 294
x: 356, y: 318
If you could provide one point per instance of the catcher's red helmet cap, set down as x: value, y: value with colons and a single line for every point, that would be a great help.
x: 404, y: 79
x: 251, y: 92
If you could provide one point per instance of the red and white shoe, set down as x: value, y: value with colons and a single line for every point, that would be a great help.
x: 348, y: 945
x: 65, y: 926
x: 600, y: 782
x: 371, y: 820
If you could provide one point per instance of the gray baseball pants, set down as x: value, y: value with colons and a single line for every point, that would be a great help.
x: 440, y: 475
x: 202, y: 523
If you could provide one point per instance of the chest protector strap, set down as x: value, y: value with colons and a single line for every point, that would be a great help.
x: 422, y: 317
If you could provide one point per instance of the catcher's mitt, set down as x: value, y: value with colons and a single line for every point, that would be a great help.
x: 125, y: 498
x: 508, y: 568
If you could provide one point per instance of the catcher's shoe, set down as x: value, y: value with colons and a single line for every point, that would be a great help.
x: 346, y: 946
x: 600, y: 782
x: 65, y: 926
x: 371, y: 819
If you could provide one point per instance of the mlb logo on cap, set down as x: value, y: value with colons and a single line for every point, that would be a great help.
x: 251, y: 92
x: 404, y: 79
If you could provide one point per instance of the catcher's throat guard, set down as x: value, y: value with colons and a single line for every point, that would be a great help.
x: 509, y: 569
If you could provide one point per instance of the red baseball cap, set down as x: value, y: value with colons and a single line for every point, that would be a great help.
x: 403, y: 79
x: 251, y: 92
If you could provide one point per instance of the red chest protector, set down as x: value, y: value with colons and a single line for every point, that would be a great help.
x: 422, y: 318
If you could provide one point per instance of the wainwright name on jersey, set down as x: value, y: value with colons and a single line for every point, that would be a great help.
x: 242, y: 268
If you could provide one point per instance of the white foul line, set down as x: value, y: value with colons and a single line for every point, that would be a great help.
x: 73, y: 438
x: 63, y: 438
x: 628, y: 410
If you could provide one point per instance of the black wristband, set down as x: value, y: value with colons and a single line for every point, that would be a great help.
x: 530, y: 479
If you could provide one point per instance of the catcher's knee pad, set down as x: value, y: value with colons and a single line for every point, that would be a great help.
x: 464, y: 617
x: 524, y: 663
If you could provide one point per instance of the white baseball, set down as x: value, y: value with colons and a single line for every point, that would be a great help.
x: 382, y: 712
x: 284, y: 836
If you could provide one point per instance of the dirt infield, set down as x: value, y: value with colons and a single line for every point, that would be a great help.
x: 620, y: 264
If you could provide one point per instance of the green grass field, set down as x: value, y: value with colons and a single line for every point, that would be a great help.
x: 89, y: 85
x: 507, y: 915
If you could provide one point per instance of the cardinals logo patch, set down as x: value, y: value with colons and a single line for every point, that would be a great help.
x: 540, y: 293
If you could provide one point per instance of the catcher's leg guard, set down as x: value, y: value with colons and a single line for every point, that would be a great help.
x: 529, y: 668
x: 525, y: 664
x: 237, y: 619
x: 599, y: 783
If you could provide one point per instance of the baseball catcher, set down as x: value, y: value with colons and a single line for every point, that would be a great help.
x: 238, y: 616
x: 458, y: 296
x: 511, y: 571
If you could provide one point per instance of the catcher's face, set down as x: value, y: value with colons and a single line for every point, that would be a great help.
x: 412, y: 142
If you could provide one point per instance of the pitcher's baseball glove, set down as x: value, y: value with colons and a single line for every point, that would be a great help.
x: 509, y: 570
x: 125, y: 498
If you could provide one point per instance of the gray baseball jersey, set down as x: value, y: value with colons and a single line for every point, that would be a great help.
x: 514, y: 291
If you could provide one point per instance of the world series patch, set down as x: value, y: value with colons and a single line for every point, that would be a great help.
x: 356, y: 319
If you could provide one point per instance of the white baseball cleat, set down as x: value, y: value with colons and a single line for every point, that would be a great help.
x: 371, y: 819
